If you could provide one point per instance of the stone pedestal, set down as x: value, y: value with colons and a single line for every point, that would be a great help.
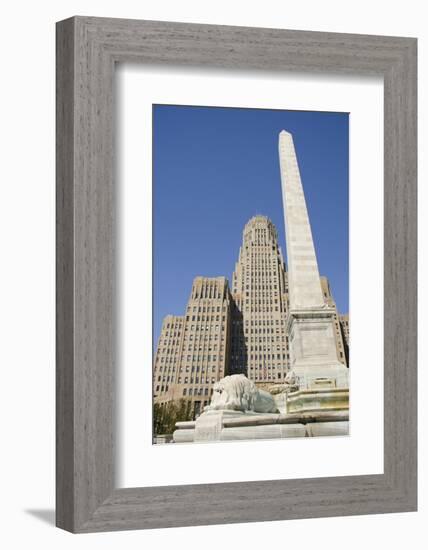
x: 209, y: 425
x: 322, y: 380
x: 234, y: 426
x: 281, y: 402
x: 318, y: 400
x: 313, y: 353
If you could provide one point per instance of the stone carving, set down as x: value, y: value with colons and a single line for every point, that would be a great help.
x: 280, y: 392
x: 237, y: 393
x: 290, y: 384
x: 291, y: 381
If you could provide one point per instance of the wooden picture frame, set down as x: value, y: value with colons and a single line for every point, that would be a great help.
x: 87, y: 50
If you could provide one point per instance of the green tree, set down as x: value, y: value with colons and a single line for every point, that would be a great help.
x: 166, y: 415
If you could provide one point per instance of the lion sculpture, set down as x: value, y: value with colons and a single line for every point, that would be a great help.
x: 237, y: 393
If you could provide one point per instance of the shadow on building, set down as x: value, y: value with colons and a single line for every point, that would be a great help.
x: 238, y: 363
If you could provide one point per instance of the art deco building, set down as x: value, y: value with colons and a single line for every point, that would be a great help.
x: 193, y: 351
x: 259, y: 342
x: 168, y: 356
x: 340, y: 344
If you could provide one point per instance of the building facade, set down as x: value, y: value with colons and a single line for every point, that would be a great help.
x: 341, y: 345
x: 194, y: 350
x: 259, y: 347
x: 229, y: 331
x: 167, y: 358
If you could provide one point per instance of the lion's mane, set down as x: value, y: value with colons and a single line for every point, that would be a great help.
x: 238, y: 393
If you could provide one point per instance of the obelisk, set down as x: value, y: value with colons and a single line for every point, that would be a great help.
x: 303, y: 275
x: 313, y: 353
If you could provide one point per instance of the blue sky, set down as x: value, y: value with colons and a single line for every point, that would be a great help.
x: 214, y: 168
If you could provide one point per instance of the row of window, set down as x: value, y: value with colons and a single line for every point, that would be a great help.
x: 194, y: 347
x: 262, y: 331
x: 265, y: 298
x: 166, y: 368
x: 263, y: 322
x: 204, y: 369
x: 253, y: 344
x: 255, y: 274
x: 268, y: 357
x: 207, y: 318
x: 168, y: 357
x: 206, y: 328
x: 197, y: 368
x: 261, y: 301
x: 261, y: 287
x: 258, y: 368
x: 208, y: 292
x: 168, y: 343
x: 204, y: 357
x: 197, y: 391
x: 202, y: 337
x: 252, y: 341
x: 205, y: 309
x: 261, y: 257
x: 176, y: 325
x: 197, y: 380
x: 254, y: 309
x: 269, y: 376
x: 160, y: 363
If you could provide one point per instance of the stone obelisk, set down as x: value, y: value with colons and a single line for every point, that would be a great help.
x: 313, y: 353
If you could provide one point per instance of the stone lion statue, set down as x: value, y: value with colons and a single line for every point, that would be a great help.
x: 237, y: 393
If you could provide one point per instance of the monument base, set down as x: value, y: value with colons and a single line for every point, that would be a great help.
x: 314, y: 359
x: 233, y: 426
x: 315, y: 400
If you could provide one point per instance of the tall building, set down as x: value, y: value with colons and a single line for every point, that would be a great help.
x: 340, y: 343
x: 168, y: 357
x: 259, y: 342
x: 344, y: 321
x: 193, y: 351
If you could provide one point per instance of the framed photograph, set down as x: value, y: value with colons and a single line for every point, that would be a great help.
x: 236, y: 274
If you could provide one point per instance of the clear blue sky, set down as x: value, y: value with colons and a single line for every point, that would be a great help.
x: 214, y: 168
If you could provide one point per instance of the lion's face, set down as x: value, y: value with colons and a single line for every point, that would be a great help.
x: 229, y: 392
x: 219, y: 393
x: 219, y: 387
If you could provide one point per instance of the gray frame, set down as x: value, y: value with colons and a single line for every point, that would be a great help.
x: 87, y: 50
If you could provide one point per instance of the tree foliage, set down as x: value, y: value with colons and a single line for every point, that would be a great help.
x: 166, y: 415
